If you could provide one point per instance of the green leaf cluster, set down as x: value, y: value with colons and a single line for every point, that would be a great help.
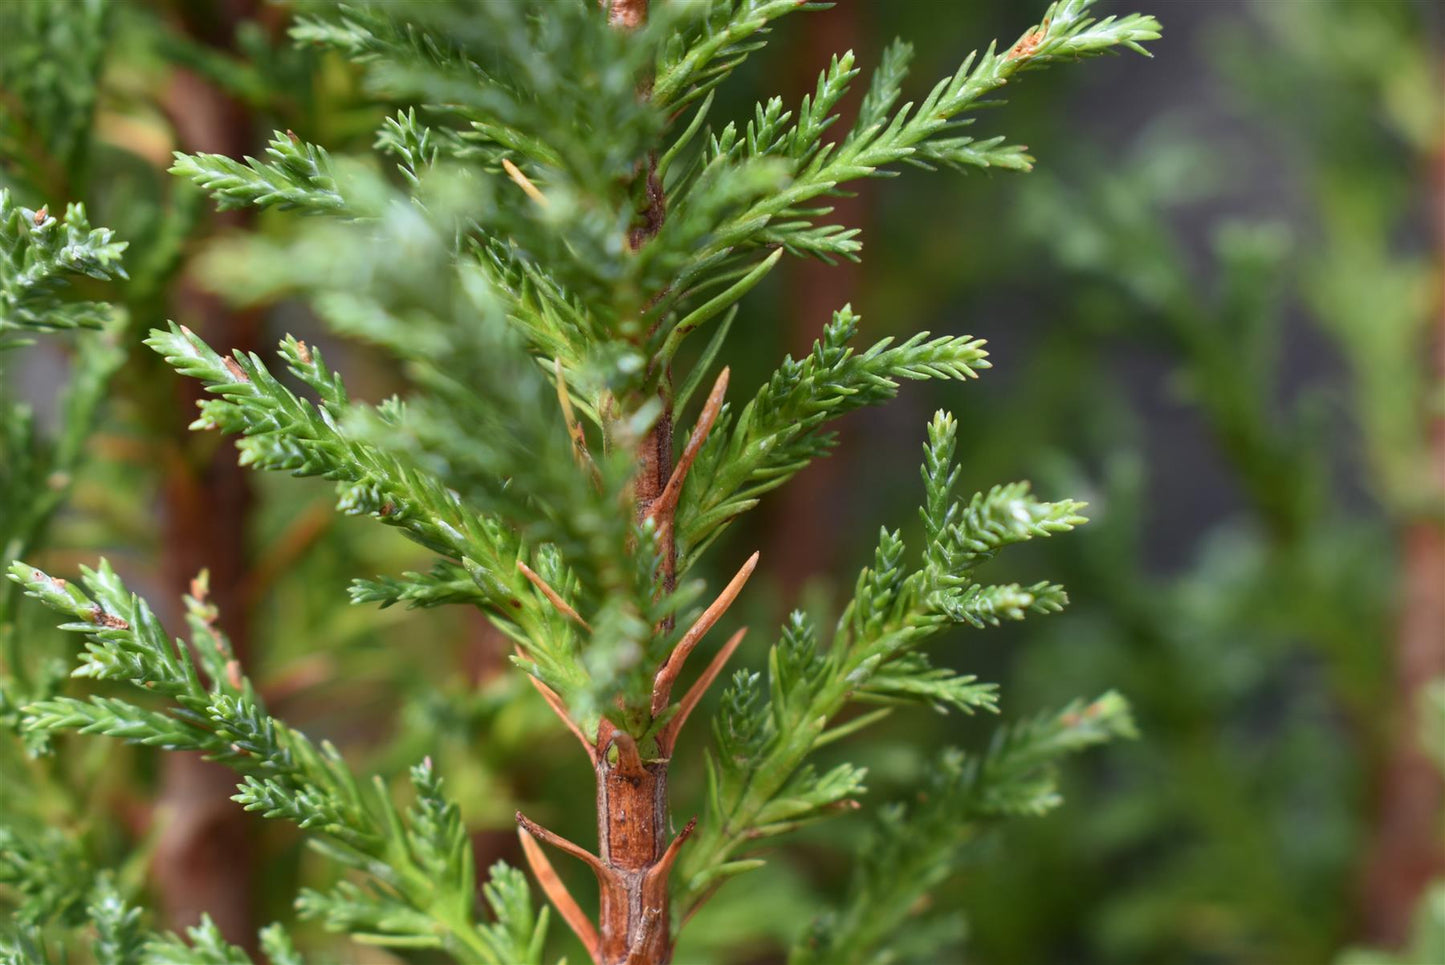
x: 419, y: 865
x: 558, y: 214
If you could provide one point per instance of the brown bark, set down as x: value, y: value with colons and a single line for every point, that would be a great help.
x: 632, y: 813
x: 1407, y: 850
x: 632, y: 818
x: 803, y: 537
x: 202, y: 861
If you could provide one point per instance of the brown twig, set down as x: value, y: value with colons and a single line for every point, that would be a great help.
x: 574, y: 427
x: 525, y: 183
x: 558, y: 894
x: 667, y: 739
x: 667, y: 675
x: 554, y: 700
x: 552, y: 595
x: 562, y: 844
x: 662, y: 509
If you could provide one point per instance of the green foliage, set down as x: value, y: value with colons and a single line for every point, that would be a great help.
x: 913, y: 849
x: 118, y: 934
x: 48, y: 871
x: 775, y: 435
x: 1295, y: 337
x: 562, y: 218
x: 420, y: 865
x: 296, y: 176
x: 49, y: 100
x: 758, y: 785
x: 205, y: 945
x: 39, y: 256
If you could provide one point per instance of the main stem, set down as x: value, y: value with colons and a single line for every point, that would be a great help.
x: 633, y: 827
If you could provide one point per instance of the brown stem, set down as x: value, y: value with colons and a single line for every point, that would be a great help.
x: 802, y: 515
x: 200, y: 863
x: 667, y: 675
x: 1405, y: 853
x: 665, y: 506
x: 634, y: 859
x: 557, y: 892
x: 632, y: 828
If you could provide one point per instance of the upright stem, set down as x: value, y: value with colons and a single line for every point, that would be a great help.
x: 803, y: 536
x: 1405, y: 853
x: 632, y: 815
x: 201, y: 864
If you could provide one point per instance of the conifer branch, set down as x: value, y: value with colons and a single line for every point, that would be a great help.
x: 914, y: 848
x: 422, y: 863
x: 758, y: 784
x: 297, y: 176
x: 284, y: 432
x: 40, y: 256
x: 532, y: 244
x: 721, y: 42
x: 775, y: 435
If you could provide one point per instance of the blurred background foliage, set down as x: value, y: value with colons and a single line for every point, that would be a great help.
x: 1214, y: 306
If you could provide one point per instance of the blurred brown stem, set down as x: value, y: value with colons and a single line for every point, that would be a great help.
x: 1406, y: 851
x: 202, y: 859
x: 803, y: 514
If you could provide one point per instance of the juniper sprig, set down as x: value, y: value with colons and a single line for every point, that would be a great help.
x: 557, y: 213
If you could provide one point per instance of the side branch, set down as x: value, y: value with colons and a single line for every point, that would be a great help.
x: 562, y: 844
x: 662, y: 510
x: 558, y: 894
x: 552, y: 595
x: 667, y: 676
x: 667, y: 739
x: 554, y: 700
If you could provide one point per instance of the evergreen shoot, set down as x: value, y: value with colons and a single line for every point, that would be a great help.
x: 554, y: 238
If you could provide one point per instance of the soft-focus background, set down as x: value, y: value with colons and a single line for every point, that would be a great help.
x: 1214, y: 310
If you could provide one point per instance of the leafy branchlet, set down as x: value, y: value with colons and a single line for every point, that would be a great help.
x: 567, y: 219
x: 295, y: 175
x: 39, y: 256
x: 914, y: 847
x: 421, y: 878
x: 758, y: 783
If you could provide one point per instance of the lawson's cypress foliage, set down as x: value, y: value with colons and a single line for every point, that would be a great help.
x: 557, y: 211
